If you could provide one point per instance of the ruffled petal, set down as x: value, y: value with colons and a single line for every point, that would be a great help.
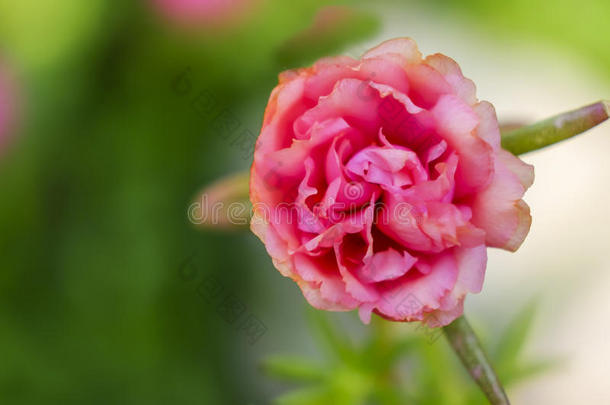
x: 405, y: 47
x: 451, y: 71
x: 456, y: 122
x: 416, y: 294
x: 488, y: 128
x: 426, y: 85
x: 500, y: 211
x: 390, y: 166
x: 523, y: 171
x: 471, y: 263
x: 350, y: 100
x: 321, y: 274
x: 386, y: 265
x: 275, y: 245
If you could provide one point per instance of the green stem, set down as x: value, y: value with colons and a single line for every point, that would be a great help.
x: 555, y: 129
x: 468, y: 348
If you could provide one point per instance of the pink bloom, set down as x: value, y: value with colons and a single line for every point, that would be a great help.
x: 379, y: 183
x: 7, y: 106
x: 201, y: 12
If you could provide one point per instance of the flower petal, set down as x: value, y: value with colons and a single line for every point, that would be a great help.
x: 386, y: 265
x: 414, y: 295
x: 405, y: 47
x: 452, y: 73
x: 471, y: 263
x: 456, y: 122
x: 500, y: 211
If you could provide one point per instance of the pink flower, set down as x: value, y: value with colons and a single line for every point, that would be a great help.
x: 379, y: 183
x: 7, y: 106
x: 195, y: 13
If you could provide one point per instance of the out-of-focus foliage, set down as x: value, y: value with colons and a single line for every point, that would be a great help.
x: 391, y: 367
x: 43, y: 32
x: 333, y: 27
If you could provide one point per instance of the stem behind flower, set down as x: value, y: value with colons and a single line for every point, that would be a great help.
x: 555, y: 129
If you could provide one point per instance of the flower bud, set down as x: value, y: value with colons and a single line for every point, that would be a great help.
x: 223, y: 204
x: 202, y: 13
x: 7, y: 106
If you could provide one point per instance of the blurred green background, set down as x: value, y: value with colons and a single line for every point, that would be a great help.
x: 107, y: 293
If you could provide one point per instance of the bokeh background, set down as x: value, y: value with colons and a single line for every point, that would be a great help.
x: 126, y: 109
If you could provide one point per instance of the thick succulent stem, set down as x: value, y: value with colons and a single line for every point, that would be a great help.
x: 555, y: 129
x: 468, y: 348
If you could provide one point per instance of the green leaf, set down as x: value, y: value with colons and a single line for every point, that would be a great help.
x: 383, y: 350
x: 305, y: 396
x: 514, y: 336
x: 292, y: 368
x: 337, y: 343
x: 395, y: 352
x: 532, y: 369
x: 344, y: 386
x: 555, y: 129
